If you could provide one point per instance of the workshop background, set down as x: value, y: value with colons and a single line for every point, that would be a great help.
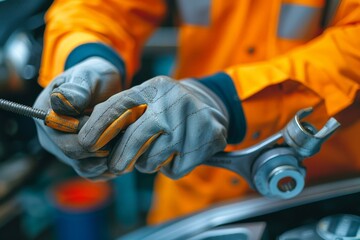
x: 41, y: 198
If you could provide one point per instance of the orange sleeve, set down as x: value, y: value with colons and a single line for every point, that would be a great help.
x: 325, y: 72
x: 122, y: 25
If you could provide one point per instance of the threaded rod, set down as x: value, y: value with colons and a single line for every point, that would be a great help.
x: 22, y: 109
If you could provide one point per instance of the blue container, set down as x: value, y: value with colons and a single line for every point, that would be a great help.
x: 80, y: 210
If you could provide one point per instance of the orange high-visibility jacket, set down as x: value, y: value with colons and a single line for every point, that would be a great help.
x: 280, y: 55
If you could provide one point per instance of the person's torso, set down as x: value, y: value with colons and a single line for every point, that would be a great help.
x: 216, y: 34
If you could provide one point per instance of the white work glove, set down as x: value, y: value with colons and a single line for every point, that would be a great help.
x: 171, y: 126
x: 71, y: 93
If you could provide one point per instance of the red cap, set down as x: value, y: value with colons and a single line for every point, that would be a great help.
x: 81, y: 194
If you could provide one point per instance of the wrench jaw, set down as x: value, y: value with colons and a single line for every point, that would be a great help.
x: 304, y: 137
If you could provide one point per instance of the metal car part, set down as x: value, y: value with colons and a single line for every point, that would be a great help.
x: 333, y: 227
x: 278, y: 172
x: 307, y: 232
x: 342, y: 226
x: 250, y: 207
x: 245, y: 231
x: 275, y: 168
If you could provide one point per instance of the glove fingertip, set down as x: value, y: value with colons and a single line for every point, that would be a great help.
x: 71, y: 98
x: 60, y: 104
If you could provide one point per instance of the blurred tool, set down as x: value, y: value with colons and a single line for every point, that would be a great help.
x: 273, y: 167
x: 51, y: 119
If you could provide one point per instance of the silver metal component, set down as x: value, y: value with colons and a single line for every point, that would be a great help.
x: 303, y: 137
x: 286, y: 179
x: 278, y: 173
x: 244, y: 209
x: 244, y: 231
x: 241, y: 161
x: 275, y: 169
x: 343, y: 226
x: 22, y: 109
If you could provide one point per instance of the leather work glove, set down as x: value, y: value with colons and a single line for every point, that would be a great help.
x: 71, y: 93
x: 171, y: 126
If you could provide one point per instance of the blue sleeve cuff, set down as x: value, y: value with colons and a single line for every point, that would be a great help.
x: 88, y: 50
x: 222, y: 85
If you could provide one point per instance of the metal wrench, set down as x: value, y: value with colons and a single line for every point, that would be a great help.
x: 273, y: 167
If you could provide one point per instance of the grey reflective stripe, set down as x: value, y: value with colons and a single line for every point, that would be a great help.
x: 330, y: 11
x: 299, y: 22
x: 195, y: 12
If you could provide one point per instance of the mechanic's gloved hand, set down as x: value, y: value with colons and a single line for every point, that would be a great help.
x: 80, y: 87
x: 90, y: 82
x: 175, y: 126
